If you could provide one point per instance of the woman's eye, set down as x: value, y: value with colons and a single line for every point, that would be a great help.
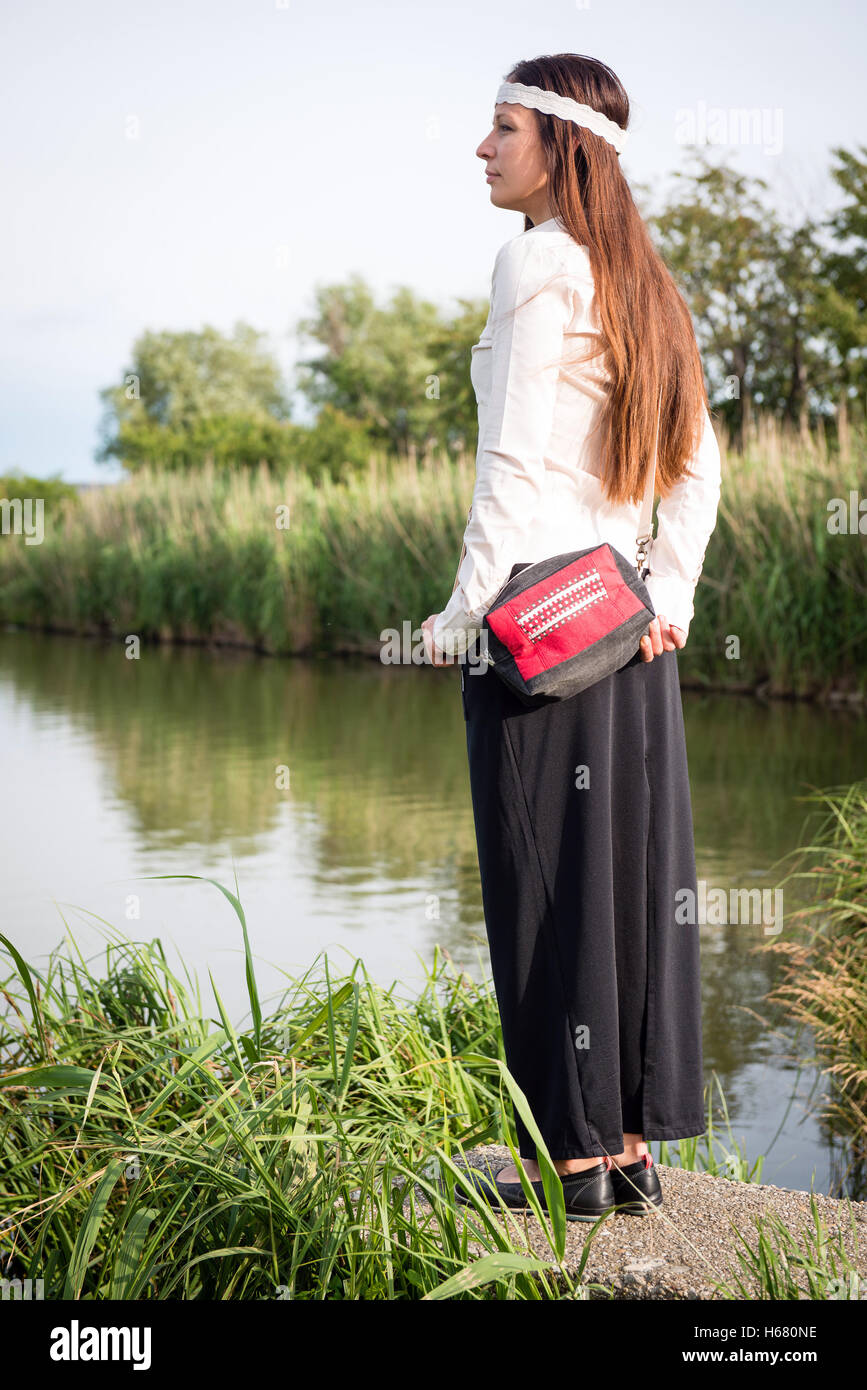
x: 505, y: 127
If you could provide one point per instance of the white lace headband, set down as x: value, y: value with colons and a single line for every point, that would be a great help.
x: 553, y: 104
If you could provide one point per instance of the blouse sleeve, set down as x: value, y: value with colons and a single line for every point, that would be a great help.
x: 684, y: 524
x: 531, y: 306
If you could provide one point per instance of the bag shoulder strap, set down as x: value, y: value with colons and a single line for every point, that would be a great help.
x: 645, y: 521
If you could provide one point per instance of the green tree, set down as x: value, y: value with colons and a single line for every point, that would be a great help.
x: 189, y: 395
x: 794, y: 376
x: 722, y: 246
x: 845, y: 275
x: 451, y: 348
x: 336, y: 444
x: 51, y: 490
x: 779, y: 304
x: 403, y: 369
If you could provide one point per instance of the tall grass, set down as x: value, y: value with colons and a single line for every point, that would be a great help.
x: 789, y: 590
x: 823, y: 982
x: 208, y: 556
x: 284, y: 564
x: 152, y: 1151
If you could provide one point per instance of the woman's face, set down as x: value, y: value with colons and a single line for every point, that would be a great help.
x: 513, y: 156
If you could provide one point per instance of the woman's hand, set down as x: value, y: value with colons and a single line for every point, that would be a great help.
x: 661, y: 637
x: 431, y: 651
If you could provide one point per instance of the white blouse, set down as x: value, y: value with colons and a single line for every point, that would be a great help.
x: 538, y: 488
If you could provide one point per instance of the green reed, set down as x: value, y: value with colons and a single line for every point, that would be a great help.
x: 823, y: 981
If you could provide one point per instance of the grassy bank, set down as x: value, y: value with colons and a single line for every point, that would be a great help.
x: 153, y: 1150
x: 288, y: 566
x: 824, y: 980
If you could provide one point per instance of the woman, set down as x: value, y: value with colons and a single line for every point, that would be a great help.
x: 582, y: 806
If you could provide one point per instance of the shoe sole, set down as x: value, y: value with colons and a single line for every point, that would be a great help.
x: 570, y: 1215
x: 639, y: 1208
x: 576, y: 1216
x: 628, y: 1209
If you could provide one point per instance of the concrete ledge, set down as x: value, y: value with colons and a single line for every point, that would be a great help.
x: 682, y: 1250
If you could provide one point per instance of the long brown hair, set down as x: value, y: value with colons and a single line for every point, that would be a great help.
x: 648, y: 337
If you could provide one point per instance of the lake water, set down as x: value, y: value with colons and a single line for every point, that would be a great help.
x: 117, y: 769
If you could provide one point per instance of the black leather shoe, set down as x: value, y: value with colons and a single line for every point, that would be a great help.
x: 587, y: 1194
x: 643, y: 1176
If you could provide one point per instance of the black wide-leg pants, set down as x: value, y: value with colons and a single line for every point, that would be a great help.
x: 585, y: 842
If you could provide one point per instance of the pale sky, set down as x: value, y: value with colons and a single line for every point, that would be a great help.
x: 168, y: 165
